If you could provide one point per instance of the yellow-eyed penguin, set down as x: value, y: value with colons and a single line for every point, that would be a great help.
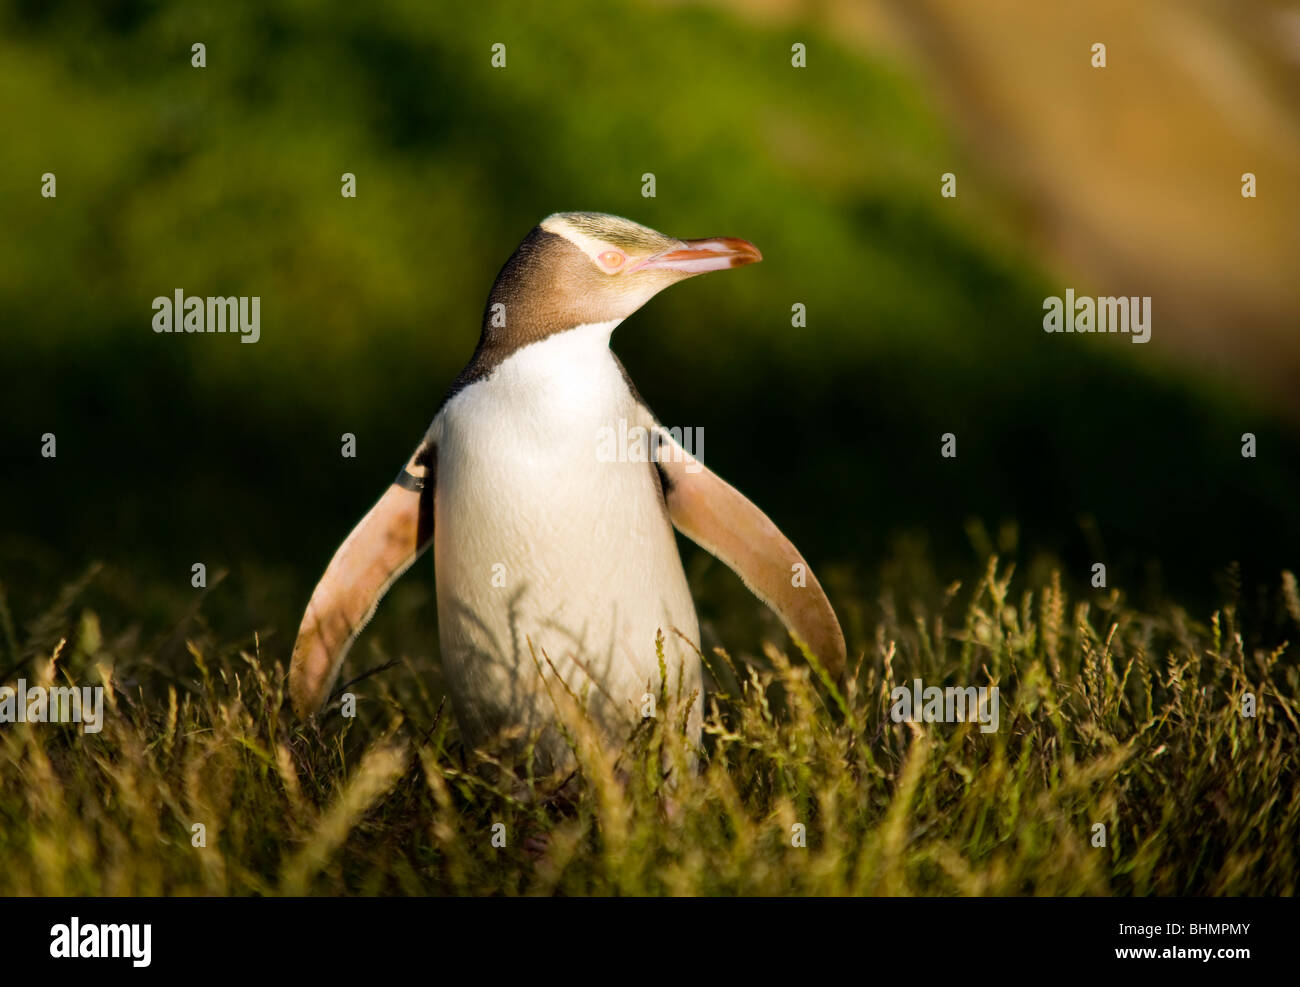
x: 549, y: 557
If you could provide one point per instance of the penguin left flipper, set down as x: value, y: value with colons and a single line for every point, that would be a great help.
x: 392, y: 535
x: 721, y: 520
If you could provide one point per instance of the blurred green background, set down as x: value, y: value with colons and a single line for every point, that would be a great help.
x: 924, y: 313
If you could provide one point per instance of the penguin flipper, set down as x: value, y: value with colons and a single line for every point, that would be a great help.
x: 721, y: 520
x: 392, y: 535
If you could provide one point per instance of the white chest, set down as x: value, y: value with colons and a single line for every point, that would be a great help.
x: 544, y: 551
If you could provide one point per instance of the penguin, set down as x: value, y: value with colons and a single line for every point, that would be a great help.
x: 557, y: 566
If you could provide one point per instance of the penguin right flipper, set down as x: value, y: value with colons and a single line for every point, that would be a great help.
x: 721, y: 520
x: 392, y: 535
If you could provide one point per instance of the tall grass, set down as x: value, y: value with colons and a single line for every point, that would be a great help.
x: 1109, y: 716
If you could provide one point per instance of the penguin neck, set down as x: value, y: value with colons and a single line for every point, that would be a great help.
x: 560, y: 354
x: 566, y: 384
x: 542, y: 355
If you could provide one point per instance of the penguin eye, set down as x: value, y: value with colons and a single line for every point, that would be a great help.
x: 611, y: 260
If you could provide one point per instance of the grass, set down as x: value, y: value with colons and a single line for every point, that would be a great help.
x: 1112, y: 716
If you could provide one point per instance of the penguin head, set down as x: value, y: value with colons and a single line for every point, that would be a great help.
x: 579, y: 268
x: 633, y: 262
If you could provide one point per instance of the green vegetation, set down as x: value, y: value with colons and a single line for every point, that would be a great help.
x: 1109, y: 715
x: 924, y: 314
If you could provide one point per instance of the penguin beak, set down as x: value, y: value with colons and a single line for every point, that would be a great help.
x: 698, y: 256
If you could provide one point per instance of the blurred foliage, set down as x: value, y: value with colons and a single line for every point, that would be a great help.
x: 924, y: 314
